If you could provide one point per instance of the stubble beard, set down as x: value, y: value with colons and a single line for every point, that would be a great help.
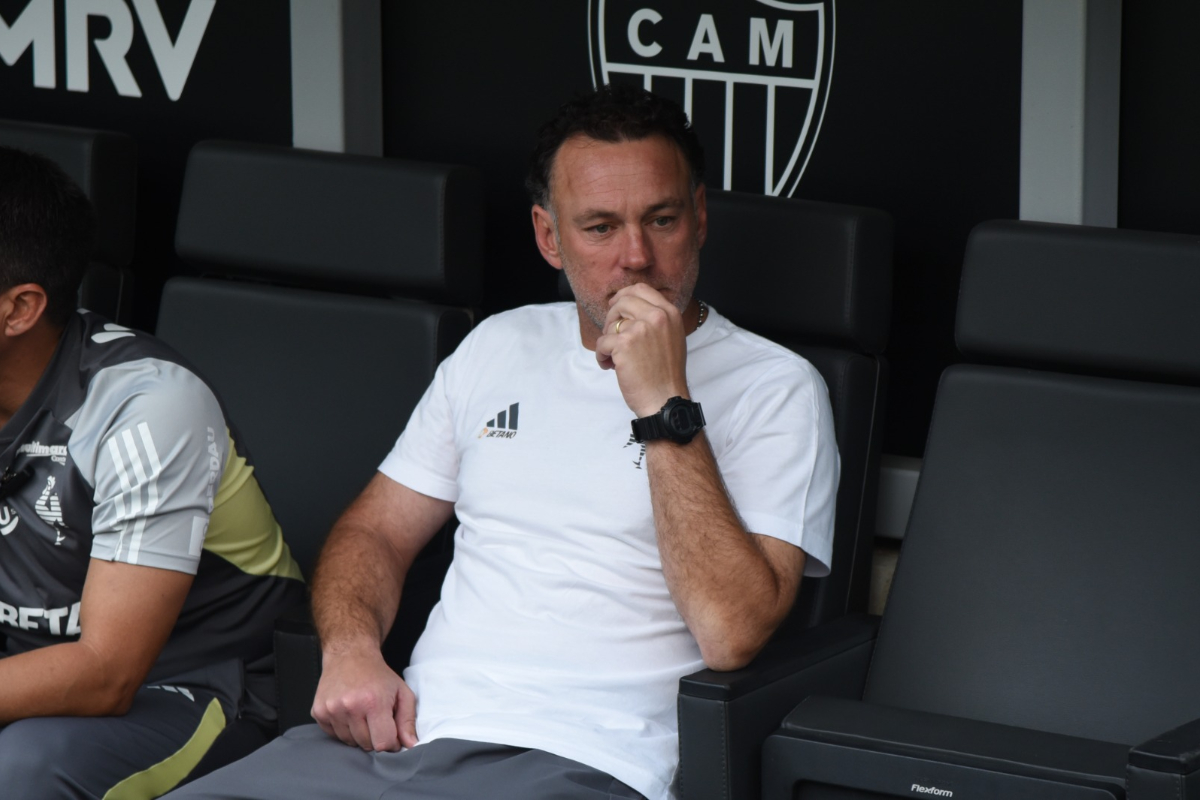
x: 595, y: 308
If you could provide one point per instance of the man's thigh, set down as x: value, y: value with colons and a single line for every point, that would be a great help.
x: 141, y: 754
x: 305, y: 762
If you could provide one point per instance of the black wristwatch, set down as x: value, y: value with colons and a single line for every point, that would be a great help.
x: 679, y: 420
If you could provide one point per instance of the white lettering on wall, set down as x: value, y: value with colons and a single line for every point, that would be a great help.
x: 769, y: 46
x: 112, y: 49
x: 706, y: 41
x: 34, y: 29
x: 174, y: 61
x: 635, y: 40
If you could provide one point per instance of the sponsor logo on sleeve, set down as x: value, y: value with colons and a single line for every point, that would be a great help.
x: 214, y: 468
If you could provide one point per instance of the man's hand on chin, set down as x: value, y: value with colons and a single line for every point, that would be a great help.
x: 362, y: 702
x: 645, y: 342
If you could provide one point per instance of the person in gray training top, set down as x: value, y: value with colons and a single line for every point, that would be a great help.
x: 596, y: 561
x: 140, y: 565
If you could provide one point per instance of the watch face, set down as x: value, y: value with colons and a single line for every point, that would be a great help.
x: 680, y: 417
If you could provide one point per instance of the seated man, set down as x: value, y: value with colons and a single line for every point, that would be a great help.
x: 593, y: 567
x: 140, y: 565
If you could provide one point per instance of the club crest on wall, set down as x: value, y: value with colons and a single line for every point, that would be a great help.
x: 753, y: 76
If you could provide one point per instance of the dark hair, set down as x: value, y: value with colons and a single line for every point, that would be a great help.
x: 613, y: 113
x: 47, y: 230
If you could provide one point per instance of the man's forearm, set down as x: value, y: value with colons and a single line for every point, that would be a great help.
x: 68, y: 679
x: 356, y: 593
x: 731, y: 594
x: 356, y: 589
x: 357, y: 583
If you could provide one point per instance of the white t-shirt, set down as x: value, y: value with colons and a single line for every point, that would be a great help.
x: 555, y: 629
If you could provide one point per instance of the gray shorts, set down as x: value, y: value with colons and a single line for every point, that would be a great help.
x: 305, y: 762
x: 139, y: 755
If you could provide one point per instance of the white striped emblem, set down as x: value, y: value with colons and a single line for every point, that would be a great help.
x: 775, y: 57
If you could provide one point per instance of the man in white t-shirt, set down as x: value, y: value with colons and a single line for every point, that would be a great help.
x: 614, y: 535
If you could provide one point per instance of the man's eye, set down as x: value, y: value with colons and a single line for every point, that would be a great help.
x: 601, y: 229
x: 663, y: 222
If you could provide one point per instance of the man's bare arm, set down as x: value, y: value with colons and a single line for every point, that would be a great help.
x: 126, y: 615
x: 356, y: 593
x: 732, y: 587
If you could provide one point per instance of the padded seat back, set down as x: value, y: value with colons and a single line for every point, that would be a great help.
x: 817, y: 278
x: 104, y: 165
x: 321, y: 375
x: 1049, y: 573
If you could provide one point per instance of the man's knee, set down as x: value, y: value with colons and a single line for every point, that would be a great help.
x: 36, y: 755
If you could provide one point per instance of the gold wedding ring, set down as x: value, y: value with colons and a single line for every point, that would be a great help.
x: 617, y: 327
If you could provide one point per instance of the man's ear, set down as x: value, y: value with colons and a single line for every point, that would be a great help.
x: 545, y: 236
x: 21, y: 307
x: 701, y: 202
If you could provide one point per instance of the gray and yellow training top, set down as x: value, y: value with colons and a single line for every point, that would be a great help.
x: 122, y: 453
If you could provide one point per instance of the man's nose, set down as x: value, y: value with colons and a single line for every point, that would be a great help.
x: 636, y: 252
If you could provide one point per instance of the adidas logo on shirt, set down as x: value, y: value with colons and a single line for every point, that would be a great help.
x: 503, y: 425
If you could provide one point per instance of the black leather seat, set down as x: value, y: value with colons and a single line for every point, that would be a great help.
x: 1040, y: 638
x: 352, y: 279
x: 332, y: 288
x: 104, y: 164
x: 815, y: 277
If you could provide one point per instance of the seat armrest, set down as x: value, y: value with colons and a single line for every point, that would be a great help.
x: 297, y: 666
x: 1176, y: 751
x: 724, y: 717
x: 1167, y: 766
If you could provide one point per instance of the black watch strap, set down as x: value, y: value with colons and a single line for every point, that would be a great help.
x: 648, y: 428
x: 679, y: 420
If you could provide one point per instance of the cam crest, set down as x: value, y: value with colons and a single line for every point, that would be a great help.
x: 753, y: 75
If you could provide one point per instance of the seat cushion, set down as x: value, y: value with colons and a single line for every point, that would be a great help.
x: 893, y: 751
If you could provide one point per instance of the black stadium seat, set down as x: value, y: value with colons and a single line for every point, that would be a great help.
x: 1040, y: 639
x: 356, y: 278
x: 104, y: 164
x: 334, y: 285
